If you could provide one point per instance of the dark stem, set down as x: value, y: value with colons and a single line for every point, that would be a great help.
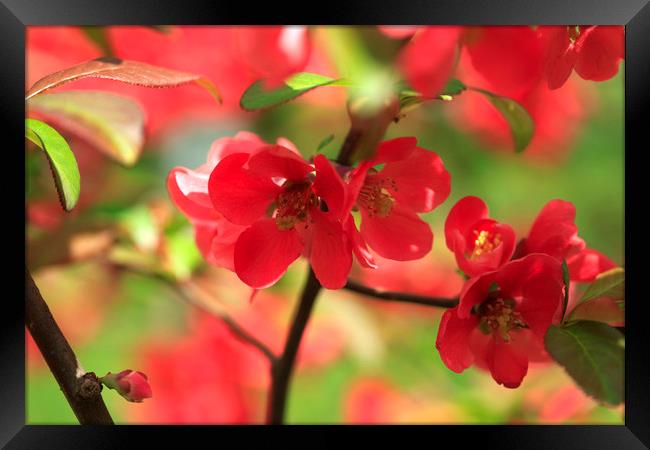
x: 81, y: 390
x: 349, y: 145
x: 402, y: 297
x: 282, y: 369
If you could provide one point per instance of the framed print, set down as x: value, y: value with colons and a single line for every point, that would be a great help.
x: 418, y: 214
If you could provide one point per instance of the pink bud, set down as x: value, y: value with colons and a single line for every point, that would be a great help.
x: 130, y: 384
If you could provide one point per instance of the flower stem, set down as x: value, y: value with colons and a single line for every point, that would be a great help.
x: 282, y: 369
x: 401, y: 297
x: 81, y: 390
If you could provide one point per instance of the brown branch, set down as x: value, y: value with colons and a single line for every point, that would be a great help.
x: 281, y: 371
x: 401, y: 297
x: 81, y: 390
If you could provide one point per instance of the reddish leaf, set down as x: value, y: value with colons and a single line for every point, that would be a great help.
x: 130, y: 72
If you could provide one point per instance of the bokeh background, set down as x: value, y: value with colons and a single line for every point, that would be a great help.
x: 362, y: 361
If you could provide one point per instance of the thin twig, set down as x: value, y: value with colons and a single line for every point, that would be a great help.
x: 237, y: 330
x: 281, y: 371
x: 182, y: 288
x: 402, y: 297
x: 81, y: 390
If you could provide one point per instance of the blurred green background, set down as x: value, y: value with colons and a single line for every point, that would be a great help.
x: 385, y: 354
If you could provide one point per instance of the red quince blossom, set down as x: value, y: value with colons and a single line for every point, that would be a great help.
x: 557, y: 114
x: 130, y: 384
x: 188, y: 189
x: 286, y: 212
x: 509, y: 58
x: 554, y: 233
x: 480, y: 244
x: 272, y: 53
x: 595, y: 52
x: 206, y: 376
x: 428, y: 59
x: 502, y: 317
x: 412, y: 180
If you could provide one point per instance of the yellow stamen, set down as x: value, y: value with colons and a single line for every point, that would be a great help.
x: 485, y: 242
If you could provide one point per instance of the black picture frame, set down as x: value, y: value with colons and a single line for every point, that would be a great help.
x: 15, y: 15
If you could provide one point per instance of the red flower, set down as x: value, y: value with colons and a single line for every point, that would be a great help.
x: 502, y: 317
x: 272, y: 53
x: 593, y: 51
x: 554, y: 233
x: 206, y: 376
x: 509, y: 58
x: 479, y: 243
x: 413, y: 180
x: 557, y: 114
x: 130, y: 384
x: 285, y: 212
x: 428, y: 59
x: 215, y: 236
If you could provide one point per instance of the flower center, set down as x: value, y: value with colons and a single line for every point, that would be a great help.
x: 498, y: 315
x: 375, y: 197
x: 293, y: 203
x: 484, y: 242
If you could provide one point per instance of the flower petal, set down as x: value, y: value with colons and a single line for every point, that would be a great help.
x: 189, y: 192
x: 428, y: 59
x: 601, y: 51
x: 421, y: 180
x: 393, y: 150
x: 488, y: 260
x: 507, y: 365
x: 401, y: 235
x: 329, y: 186
x: 513, y: 276
x: 542, y: 296
x: 554, y: 231
x: 277, y: 161
x: 241, y: 197
x: 356, y: 180
x: 331, y: 252
x: 359, y: 248
x: 474, y: 292
x: 509, y: 58
x: 586, y: 265
x: 462, y: 216
x: 452, y: 341
x: 264, y: 252
x: 242, y: 142
x: 561, y: 55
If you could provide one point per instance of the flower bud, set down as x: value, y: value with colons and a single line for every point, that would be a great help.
x: 130, y: 384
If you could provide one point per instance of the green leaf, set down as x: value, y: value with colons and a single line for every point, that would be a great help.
x: 325, y: 142
x: 521, y: 124
x: 410, y: 99
x: 62, y: 161
x: 111, y: 123
x: 593, y: 355
x: 607, y: 284
x: 454, y: 87
x: 257, y: 97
